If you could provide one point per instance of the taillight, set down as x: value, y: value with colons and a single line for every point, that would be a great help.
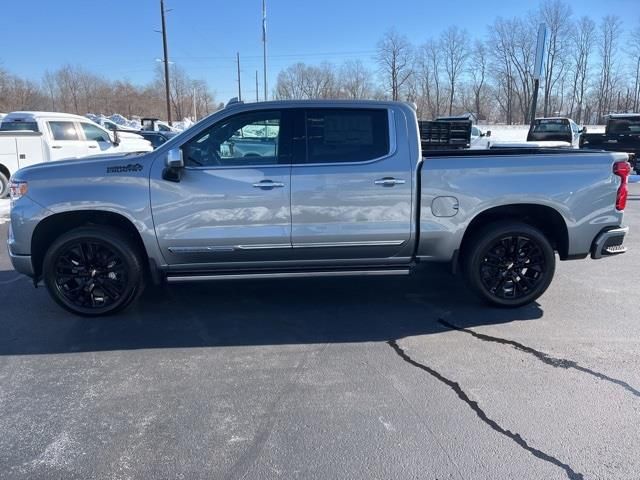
x: 622, y: 169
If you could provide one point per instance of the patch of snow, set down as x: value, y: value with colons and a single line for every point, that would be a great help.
x: 183, y: 125
x: 4, y: 211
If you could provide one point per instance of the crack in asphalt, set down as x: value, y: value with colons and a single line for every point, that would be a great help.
x: 543, y: 357
x: 516, y: 437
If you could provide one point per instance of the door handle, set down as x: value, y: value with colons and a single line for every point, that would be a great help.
x: 268, y: 184
x: 389, y: 181
x: 93, y: 146
x: 56, y: 146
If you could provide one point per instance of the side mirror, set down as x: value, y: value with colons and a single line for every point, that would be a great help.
x: 584, y: 130
x: 116, y: 138
x: 174, y: 165
x: 488, y: 133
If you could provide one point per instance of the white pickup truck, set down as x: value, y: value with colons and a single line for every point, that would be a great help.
x: 27, y: 138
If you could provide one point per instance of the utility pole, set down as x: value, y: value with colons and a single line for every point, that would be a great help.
x: 264, y: 46
x: 257, y: 97
x: 195, y: 112
x: 239, y: 84
x: 166, y: 61
x: 537, y: 70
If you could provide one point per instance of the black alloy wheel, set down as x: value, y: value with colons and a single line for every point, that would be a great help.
x: 93, y: 271
x: 510, y: 264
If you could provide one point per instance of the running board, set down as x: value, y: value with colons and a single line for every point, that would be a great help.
x: 253, y: 276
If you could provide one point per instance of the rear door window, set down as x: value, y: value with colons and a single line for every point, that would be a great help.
x: 63, y: 130
x: 341, y: 135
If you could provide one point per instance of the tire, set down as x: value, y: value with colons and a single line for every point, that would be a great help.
x: 93, y: 271
x: 4, y: 186
x: 509, y: 264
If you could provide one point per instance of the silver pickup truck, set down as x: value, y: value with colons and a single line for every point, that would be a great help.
x: 344, y: 191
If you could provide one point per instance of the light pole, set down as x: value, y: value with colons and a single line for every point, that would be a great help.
x: 264, y: 46
x: 166, y: 61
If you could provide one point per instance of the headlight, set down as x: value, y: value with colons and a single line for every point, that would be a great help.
x: 17, y: 189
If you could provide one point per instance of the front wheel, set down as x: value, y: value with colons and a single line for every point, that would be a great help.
x: 509, y: 264
x: 93, y: 271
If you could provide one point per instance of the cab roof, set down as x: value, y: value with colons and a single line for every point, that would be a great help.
x: 33, y: 116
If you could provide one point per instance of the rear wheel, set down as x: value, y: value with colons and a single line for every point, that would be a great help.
x: 4, y: 185
x: 93, y: 271
x: 509, y: 264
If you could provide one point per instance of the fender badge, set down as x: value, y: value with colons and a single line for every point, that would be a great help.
x: 132, y: 167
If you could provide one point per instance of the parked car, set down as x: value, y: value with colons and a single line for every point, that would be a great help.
x: 27, y: 138
x: 346, y: 192
x: 555, y: 129
x: 156, y: 138
x: 622, y: 134
x: 479, y: 139
x: 155, y: 125
x: 111, y: 125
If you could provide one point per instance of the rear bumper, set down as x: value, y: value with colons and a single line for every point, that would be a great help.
x: 609, y: 243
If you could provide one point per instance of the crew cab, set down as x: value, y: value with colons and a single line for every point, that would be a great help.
x: 346, y: 191
x: 622, y: 134
x: 27, y: 138
x: 555, y: 129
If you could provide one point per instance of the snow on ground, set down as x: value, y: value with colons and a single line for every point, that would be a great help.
x: 518, y: 133
x: 4, y: 211
x: 134, y: 122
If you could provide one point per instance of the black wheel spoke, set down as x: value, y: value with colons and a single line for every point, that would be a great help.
x: 513, y: 267
x: 91, y: 274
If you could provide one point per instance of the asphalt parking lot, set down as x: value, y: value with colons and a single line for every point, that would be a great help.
x: 327, y: 378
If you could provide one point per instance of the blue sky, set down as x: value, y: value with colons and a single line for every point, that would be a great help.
x: 116, y: 39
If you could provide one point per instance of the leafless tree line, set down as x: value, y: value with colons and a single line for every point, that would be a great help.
x: 73, y: 89
x: 591, y: 69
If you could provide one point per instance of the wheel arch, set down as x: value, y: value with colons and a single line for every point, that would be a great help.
x: 543, y: 217
x: 50, y: 228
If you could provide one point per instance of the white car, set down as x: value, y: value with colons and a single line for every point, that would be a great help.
x: 27, y: 138
x: 479, y: 139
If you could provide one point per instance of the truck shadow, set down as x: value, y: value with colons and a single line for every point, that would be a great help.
x: 235, y: 313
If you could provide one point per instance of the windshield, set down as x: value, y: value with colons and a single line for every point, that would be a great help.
x: 551, y: 126
x: 624, y: 125
x: 18, y: 125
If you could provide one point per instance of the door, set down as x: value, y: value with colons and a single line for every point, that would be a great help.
x: 232, y: 204
x: 351, y: 185
x: 65, y: 140
x: 96, y: 140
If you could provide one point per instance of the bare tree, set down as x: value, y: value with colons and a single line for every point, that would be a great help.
x: 557, y: 16
x: 430, y: 69
x: 455, y: 50
x: 583, y: 38
x: 478, y: 74
x: 394, y: 57
x: 355, y: 80
x: 610, y: 31
x: 300, y: 81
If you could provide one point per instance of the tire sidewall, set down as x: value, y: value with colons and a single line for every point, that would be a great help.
x: 113, y: 239
x: 485, y: 239
x: 4, y: 186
